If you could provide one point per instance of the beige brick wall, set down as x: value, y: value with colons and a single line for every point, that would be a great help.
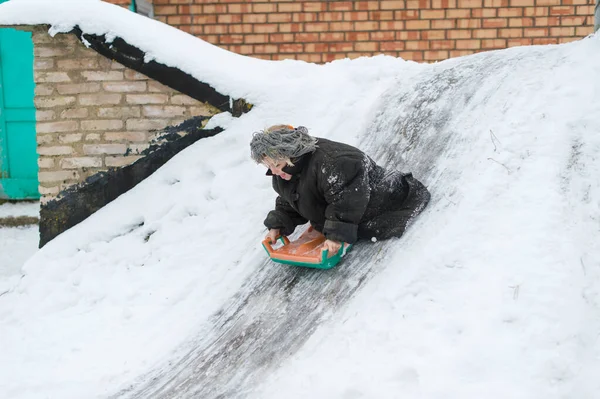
x: 93, y: 113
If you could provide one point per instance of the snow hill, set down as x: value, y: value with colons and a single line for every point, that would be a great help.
x: 494, y: 292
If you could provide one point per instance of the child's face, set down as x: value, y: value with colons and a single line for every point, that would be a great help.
x: 276, y: 167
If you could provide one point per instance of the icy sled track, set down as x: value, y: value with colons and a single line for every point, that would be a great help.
x: 492, y: 293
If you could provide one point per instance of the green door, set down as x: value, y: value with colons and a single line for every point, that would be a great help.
x: 18, y: 157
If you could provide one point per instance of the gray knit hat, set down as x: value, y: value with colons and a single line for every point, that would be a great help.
x: 281, y: 142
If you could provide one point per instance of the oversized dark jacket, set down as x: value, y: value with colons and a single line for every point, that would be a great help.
x: 340, y: 190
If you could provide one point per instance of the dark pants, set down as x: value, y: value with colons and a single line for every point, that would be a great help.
x: 393, y: 223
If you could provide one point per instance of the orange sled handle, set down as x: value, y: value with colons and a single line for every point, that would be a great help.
x: 267, y: 243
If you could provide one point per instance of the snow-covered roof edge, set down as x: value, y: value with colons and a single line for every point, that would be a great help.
x: 225, y: 71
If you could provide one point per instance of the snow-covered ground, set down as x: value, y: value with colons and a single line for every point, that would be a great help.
x: 494, y: 292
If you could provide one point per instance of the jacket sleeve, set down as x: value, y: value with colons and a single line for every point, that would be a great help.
x: 284, y: 217
x: 347, y: 193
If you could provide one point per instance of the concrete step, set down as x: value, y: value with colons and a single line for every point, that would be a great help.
x: 19, y: 213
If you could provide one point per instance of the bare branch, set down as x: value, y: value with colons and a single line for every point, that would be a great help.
x: 500, y: 163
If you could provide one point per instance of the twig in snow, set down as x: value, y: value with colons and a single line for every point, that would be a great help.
x: 582, y: 265
x: 494, y: 140
x: 492, y: 159
x: 450, y: 201
x: 515, y: 291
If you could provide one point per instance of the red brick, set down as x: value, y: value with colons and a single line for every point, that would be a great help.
x: 179, y: 19
x: 408, y: 35
x: 494, y: 23
x: 547, y: 2
x: 257, y: 28
x: 513, y: 32
x: 411, y: 55
x: 468, y: 23
x: 468, y: 44
x: 407, y: 14
x: 495, y: 3
x: 584, y: 30
x: 450, y: 14
x: 485, y: 33
x: 547, y: 21
x: 266, y: 48
x: 460, y: 53
x: 493, y: 44
x: 296, y: 27
x: 213, y: 9
x: 444, y: 24
x: 584, y: 10
x: 483, y: 13
x: 340, y: 5
x: 252, y: 39
x: 331, y: 37
x: 572, y: 21
x: 231, y: 39
x: 266, y: 8
x: 239, y: 8
x: 306, y: 37
x: 254, y: 18
x: 545, y: 40
x: 522, y: 3
x: 229, y: 19
x: 287, y: 7
x: 418, y: 45
x: 165, y: 10
x: 366, y: 46
x: 564, y: 10
x: 366, y: 5
x: 291, y: 48
x: 535, y: 32
x: 510, y: 12
x: 356, y: 16
x: 391, y: 25
x: 340, y: 26
x: 281, y: 37
x: 433, y: 14
x: 563, y: 31
x: 204, y: 20
x: 418, y: 4
x: 366, y: 26
x: 392, y: 5
x: 391, y: 46
x: 381, y: 15
x: 316, y: 27
x: 330, y: 16
x: 460, y: 34
x: 419, y: 25
x: 470, y: 3
x: 442, y: 44
x: 315, y: 58
x: 518, y: 22
x: 536, y: 11
x: 383, y: 36
x: 435, y: 55
x: 433, y: 34
x: 305, y: 17
x: 443, y: 4
x: 215, y: 29
x: 519, y: 42
x: 316, y: 47
x: 283, y: 17
x: 314, y: 6
x: 341, y: 47
x: 358, y: 36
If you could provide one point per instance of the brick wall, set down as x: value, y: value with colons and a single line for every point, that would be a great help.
x: 419, y: 30
x: 93, y: 113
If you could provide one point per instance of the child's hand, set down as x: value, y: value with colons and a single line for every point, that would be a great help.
x: 272, y: 235
x: 332, y: 246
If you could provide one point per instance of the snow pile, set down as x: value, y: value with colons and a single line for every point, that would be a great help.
x: 494, y: 292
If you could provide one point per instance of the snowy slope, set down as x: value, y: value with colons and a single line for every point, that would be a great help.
x: 493, y: 292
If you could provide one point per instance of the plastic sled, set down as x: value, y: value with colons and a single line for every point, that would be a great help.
x: 306, y: 251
